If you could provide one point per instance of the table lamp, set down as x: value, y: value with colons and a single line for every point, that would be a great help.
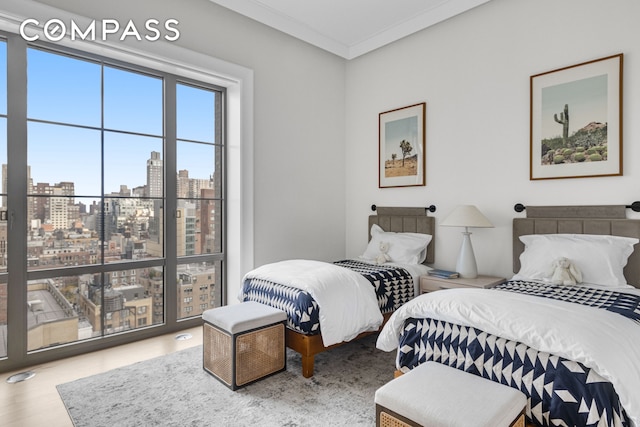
x: 466, y: 216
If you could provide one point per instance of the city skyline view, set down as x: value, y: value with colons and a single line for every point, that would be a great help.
x: 96, y: 130
x: 74, y: 138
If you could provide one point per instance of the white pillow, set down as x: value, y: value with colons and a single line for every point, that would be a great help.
x: 404, y: 248
x: 600, y: 258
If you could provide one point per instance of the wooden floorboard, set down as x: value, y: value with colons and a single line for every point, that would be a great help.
x: 36, y: 402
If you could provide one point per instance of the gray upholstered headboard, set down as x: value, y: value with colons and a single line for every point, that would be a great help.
x: 609, y: 220
x: 406, y: 220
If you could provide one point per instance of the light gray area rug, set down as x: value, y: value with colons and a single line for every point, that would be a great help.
x: 174, y: 390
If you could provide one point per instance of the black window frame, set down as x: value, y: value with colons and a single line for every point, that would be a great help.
x: 18, y: 274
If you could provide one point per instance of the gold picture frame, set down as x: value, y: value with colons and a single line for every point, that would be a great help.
x: 576, y: 120
x: 401, y: 147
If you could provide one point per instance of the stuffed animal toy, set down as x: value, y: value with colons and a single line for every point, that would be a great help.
x: 565, y: 272
x: 383, y: 256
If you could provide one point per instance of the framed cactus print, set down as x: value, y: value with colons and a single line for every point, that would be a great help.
x: 576, y: 120
x: 401, y: 144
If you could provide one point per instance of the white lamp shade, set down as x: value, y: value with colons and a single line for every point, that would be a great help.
x: 466, y: 216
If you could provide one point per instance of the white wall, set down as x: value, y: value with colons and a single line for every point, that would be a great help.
x: 298, y: 125
x: 473, y: 72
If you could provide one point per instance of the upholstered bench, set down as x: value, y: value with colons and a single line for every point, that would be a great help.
x: 243, y: 343
x: 437, y: 395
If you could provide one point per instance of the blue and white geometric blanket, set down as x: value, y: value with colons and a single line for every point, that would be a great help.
x: 559, y: 392
x: 393, y: 287
x: 572, y: 352
x: 625, y: 304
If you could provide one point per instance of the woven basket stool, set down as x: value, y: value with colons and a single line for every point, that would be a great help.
x: 243, y: 343
x: 437, y: 395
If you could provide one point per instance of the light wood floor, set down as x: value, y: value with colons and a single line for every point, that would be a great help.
x: 36, y: 402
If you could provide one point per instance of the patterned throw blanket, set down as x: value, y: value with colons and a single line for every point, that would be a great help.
x: 627, y: 305
x: 393, y: 286
x: 559, y: 392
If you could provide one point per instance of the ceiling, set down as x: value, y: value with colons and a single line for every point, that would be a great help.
x: 349, y: 28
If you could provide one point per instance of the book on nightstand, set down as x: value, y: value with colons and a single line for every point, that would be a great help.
x: 444, y: 274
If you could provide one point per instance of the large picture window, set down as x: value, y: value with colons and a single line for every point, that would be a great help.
x: 124, y: 191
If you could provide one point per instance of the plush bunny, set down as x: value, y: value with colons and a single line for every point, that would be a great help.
x: 383, y: 256
x: 565, y: 272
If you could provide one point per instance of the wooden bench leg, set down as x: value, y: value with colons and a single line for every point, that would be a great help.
x: 307, y: 366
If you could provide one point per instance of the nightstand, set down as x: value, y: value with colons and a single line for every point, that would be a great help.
x: 432, y: 283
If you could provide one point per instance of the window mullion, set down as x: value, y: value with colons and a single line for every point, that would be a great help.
x: 17, y: 177
x: 170, y: 201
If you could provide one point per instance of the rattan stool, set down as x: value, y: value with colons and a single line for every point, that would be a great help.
x: 437, y: 395
x: 243, y: 343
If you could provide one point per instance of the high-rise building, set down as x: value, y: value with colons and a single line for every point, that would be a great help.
x: 208, y: 243
x: 56, y: 210
x: 3, y: 254
x: 186, y: 228
x: 3, y: 203
x: 154, y: 175
x: 183, y: 184
x: 156, y: 230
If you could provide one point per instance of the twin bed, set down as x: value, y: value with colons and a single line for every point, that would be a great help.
x: 393, y: 284
x: 573, y: 350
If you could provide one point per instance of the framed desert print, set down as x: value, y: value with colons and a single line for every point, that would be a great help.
x: 401, y: 158
x: 576, y: 121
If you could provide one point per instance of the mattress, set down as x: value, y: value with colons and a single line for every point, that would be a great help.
x: 393, y: 285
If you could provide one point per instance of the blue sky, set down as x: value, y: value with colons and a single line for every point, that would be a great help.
x: 67, y: 90
x: 397, y: 130
x: 587, y: 100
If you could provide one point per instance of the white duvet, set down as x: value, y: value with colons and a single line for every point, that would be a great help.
x: 604, y: 341
x: 344, y: 313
